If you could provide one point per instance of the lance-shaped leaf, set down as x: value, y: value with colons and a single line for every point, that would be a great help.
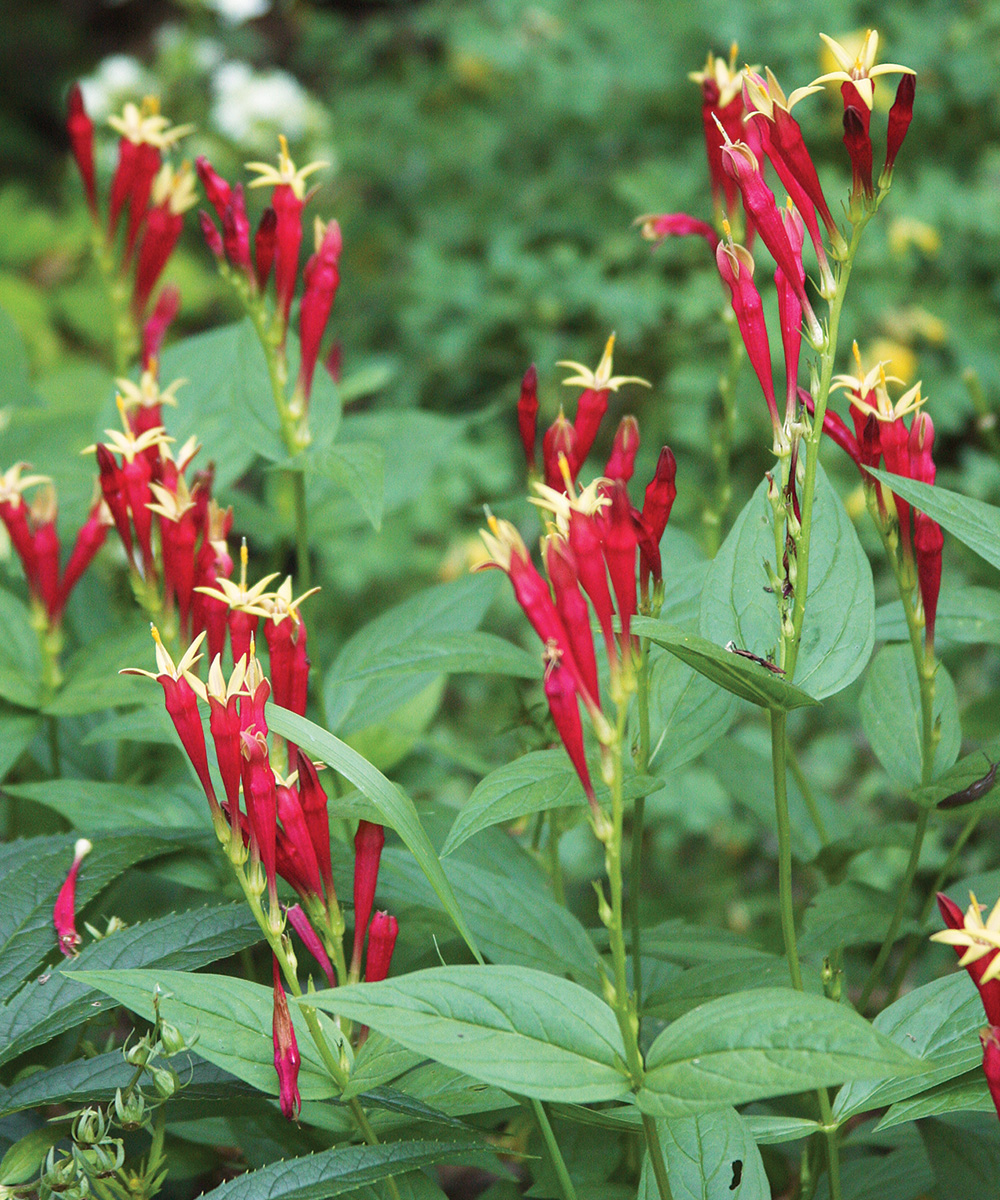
x: 734, y: 672
x: 771, y: 1042
x: 711, y: 1156
x: 516, y: 1028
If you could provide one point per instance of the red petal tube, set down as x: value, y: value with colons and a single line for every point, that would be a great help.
x: 560, y: 691
x: 216, y: 188
x: 621, y: 464
x: 313, y: 798
x: 368, y: 843
x: 859, y: 147
x: 81, y: 140
x: 155, y: 329
x: 64, y: 912
x: 263, y: 246
x: 320, y: 280
x: 300, y: 923
x: 381, y: 943
x: 286, y: 1052
x: 288, y: 208
x: 572, y: 608
x: 527, y: 414
x: 900, y: 116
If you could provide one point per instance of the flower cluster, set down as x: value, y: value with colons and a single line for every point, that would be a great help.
x: 881, y: 437
x: 749, y: 126
x: 33, y: 535
x: 595, y: 543
x: 148, y: 194
x: 277, y: 820
x: 977, y: 943
x: 276, y: 244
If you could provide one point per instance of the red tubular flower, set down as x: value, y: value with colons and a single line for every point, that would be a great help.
x: 900, y: 116
x: 381, y: 943
x: 224, y: 726
x: 81, y: 139
x: 216, y: 188
x: 559, y: 441
x: 260, y: 796
x: 163, y: 228
x: 300, y: 673
x: 758, y: 199
x: 121, y: 182
x: 572, y: 609
x: 320, y: 280
x: 657, y: 227
x: 990, y: 1040
x: 621, y: 464
x: 619, y: 543
x: 263, y: 246
x: 859, y: 147
x: 288, y: 240
x: 736, y: 268
x: 527, y: 414
x: 236, y: 232
x: 146, y: 164
x: 280, y: 649
x: 721, y: 105
x: 300, y: 923
x: 64, y: 912
x: 661, y: 491
x: 790, y: 311
x: 213, y: 239
x: 14, y: 514
x: 585, y: 542
x: 296, y: 830
x: 590, y: 410
x: 88, y: 541
x: 46, y: 544
x: 561, y: 694
x: 928, y: 540
x: 136, y: 475
x: 155, y: 329
x: 368, y: 843
x: 968, y: 934
x: 113, y: 490
x: 286, y: 1052
x: 313, y: 798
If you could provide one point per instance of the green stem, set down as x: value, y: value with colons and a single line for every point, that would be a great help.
x: 555, y: 866
x: 656, y: 1157
x: 778, y: 743
x: 807, y: 794
x: 301, y: 530
x: 915, y: 940
x: 832, y: 1142
x: 641, y: 760
x: 902, y: 898
x: 555, y: 1154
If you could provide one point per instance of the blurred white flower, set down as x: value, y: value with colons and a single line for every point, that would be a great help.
x: 117, y: 79
x: 253, y: 107
x: 235, y: 12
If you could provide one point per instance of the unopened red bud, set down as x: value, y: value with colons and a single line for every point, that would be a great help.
x: 561, y: 694
x: 286, y: 1052
x: 216, y: 188
x: 313, y: 799
x: 590, y: 410
x: 900, y: 116
x: 162, y: 229
x: 236, y: 231
x: 368, y: 843
x: 296, y: 831
x: 288, y: 239
x: 620, y: 540
x: 990, y: 1040
x: 146, y: 165
x: 560, y: 439
x: 621, y: 464
x: 81, y: 139
x: 321, y: 278
x: 527, y: 414
x: 585, y: 542
x: 64, y: 912
x: 213, y: 239
x: 154, y: 331
x: 300, y: 923
x: 113, y: 490
x: 736, y: 267
x: 656, y: 228
x: 381, y: 943
x: 859, y: 147
x: 47, y: 566
x: 264, y: 242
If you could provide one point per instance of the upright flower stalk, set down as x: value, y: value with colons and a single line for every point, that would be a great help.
x: 275, y: 254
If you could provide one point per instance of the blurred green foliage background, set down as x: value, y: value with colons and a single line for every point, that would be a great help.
x: 487, y: 161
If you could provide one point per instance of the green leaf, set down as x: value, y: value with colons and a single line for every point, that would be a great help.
x: 969, y: 615
x: 17, y: 731
x: 227, y: 400
x: 32, y: 870
x: 535, y: 782
x: 396, y: 807
x: 51, y: 1004
x: 940, y: 1021
x: 353, y: 703
x: 687, y: 712
x: 773, y: 1131
x: 849, y: 914
x: 518, y: 1029
x: 680, y: 993
x: 512, y: 923
x: 966, y: 1093
x: 839, y: 631
x: 331, y: 1172
x: 702, y: 1153
x: 975, y: 524
x: 15, y: 378
x: 92, y: 680
x: 757, y: 1044
x: 230, y: 1017
x: 378, y: 1061
x: 95, y: 1079
x: 964, y: 1151
x: 96, y: 806
x: 452, y: 1092
x: 967, y: 771
x: 891, y: 717
x: 358, y: 468
x: 452, y: 654
x: 736, y: 674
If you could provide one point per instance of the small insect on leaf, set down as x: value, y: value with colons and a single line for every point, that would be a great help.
x: 975, y: 791
x: 734, y: 649
x: 737, y: 1174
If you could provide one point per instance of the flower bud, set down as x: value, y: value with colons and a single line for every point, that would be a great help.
x: 381, y: 943
x: 286, y: 1052
x: 64, y: 912
x: 527, y: 414
x: 368, y: 843
x: 900, y: 116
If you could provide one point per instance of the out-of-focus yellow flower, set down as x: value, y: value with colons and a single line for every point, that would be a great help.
x: 905, y: 232
x: 855, y: 504
x: 915, y: 324
x: 472, y: 71
x: 897, y: 358
x: 467, y: 554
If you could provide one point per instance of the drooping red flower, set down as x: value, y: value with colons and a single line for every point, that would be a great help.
x: 286, y: 1052
x: 64, y: 912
